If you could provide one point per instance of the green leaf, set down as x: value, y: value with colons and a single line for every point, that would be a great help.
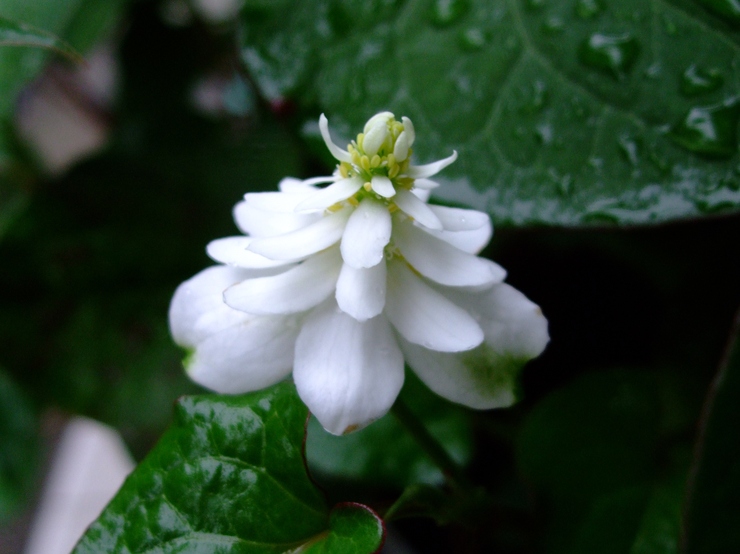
x: 590, y: 448
x: 13, y: 33
x: 18, y: 445
x: 565, y: 113
x: 230, y: 477
x: 384, y: 454
x: 714, y: 501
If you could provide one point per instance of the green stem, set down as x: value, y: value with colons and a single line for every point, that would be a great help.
x: 452, y: 471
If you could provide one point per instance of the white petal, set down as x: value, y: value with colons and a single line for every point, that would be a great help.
x: 408, y: 128
x: 338, y: 153
x: 514, y: 325
x: 348, y: 373
x: 291, y: 184
x: 421, y: 194
x: 197, y: 310
x: 383, y: 186
x: 284, y: 202
x: 251, y: 354
x: 375, y: 136
x: 417, y: 209
x: 303, y: 242
x: 233, y: 251
x: 378, y: 117
x: 366, y: 235
x: 295, y: 290
x: 425, y: 184
x: 442, y: 262
x: 336, y: 192
x: 309, y: 183
x: 471, y: 242
x: 479, y: 378
x: 361, y: 292
x: 261, y: 223
x: 423, y: 316
x: 423, y: 171
x: 401, y: 148
x: 458, y: 219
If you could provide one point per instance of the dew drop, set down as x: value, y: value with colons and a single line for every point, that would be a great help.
x: 653, y: 71
x: 729, y: 9
x: 629, y: 149
x: 473, y: 39
x: 710, y: 130
x: 588, y: 9
x: 536, y: 99
x: 613, y: 53
x: 446, y: 12
x: 553, y: 25
x: 696, y: 81
x: 544, y: 133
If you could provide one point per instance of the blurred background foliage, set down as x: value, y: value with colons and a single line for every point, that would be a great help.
x: 183, y: 107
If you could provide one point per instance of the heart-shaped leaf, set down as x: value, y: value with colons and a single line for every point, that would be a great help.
x: 563, y: 113
x: 230, y: 477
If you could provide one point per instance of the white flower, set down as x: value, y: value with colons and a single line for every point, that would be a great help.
x: 342, y: 284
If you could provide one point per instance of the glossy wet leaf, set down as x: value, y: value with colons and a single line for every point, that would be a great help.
x: 230, y: 477
x: 713, y: 505
x: 580, y: 112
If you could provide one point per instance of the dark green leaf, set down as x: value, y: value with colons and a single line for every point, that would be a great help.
x: 384, y: 454
x: 713, y: 514
x: 230, y: 477
x: 13, y: 33
x: 18, y: 445
x: 567, y: 113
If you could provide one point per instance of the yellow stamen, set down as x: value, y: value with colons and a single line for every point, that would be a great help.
x: 360, y: 140
x: 365, y: 163
x: 375, y: 161
x: 393, y: 171
x: 368, y: 186
x: 343, y: 170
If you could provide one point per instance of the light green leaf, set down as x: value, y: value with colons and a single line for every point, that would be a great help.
x: 230, y: 477
x: 13, y: 33
x: 566, y: 113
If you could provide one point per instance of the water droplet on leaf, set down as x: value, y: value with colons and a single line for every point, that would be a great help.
x: 613, y: 53
x: 629, y: 148
x: 446, y: 12
x: 587, y: 9
x: 553, y: 24
x: 536, y: 98
x: 696, y: 81
x: 710, y: 130
x: 544, y: 133
x: 473, y: 39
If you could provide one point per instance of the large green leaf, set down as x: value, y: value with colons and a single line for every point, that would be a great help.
x: 569, y: 112
x: 230, y: 477
x: 13, y: 33
x: 591, y: 450
x: 713, y: 514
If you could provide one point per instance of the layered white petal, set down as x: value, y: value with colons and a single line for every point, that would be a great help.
x: 383, y: 186
x: 336, y: 192
x: 251, y: 354
x: 401, y: 148
x: 303, y: 242
x: 361, y: 292
x: 416, y: 208
x: 424, y: 171
x: 374, y: 120
x: 261, y: 223
x: 442, y: 262
x: 281, y: 202
x: 291, y: 184
x: 197, y: 310
x: 425, y: 184
x: 232, y: 352
x: 408, y: 128
x: 459, y: 219
x: 348, y: 373
x: 366, y: 235
x: 233, y: 251
x: 295, y: 290
x: 338, y: 153
x: 471, y: 242
x: 478, y: 378
x: 424, y: 316
x: 375, y: 136
x: 514, y: 325
x: 421, y: 194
